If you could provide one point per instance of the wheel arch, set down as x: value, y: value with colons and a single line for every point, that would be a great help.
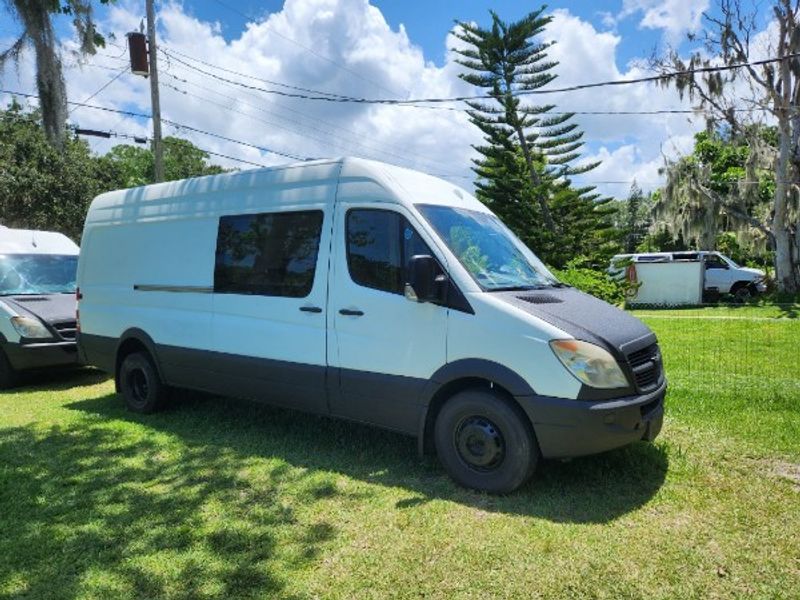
x: 742, y: 283
x: 461, y: 375
x: 135, y: 340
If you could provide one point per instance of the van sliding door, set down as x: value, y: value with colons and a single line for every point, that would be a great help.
x: 268, y: 324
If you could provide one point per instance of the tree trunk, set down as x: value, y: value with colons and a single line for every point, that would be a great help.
x: 708, y: 237
x: 785, y: 276
x: 535, y: 180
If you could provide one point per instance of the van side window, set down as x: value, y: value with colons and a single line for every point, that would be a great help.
x: 379, y: 246
x: 715, y: 262
x: 268, y: 254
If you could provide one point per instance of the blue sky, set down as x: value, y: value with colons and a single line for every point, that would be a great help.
x: 428, y: 22
x: 377, y: 49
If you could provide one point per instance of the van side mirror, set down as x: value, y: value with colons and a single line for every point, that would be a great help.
x: 424, y: 284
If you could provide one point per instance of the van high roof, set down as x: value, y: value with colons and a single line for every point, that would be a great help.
x: 29, y: 241
x: 289, y: 184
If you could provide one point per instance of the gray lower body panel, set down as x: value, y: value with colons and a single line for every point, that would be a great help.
x: 570, y: 428
x: 39, y: 356
x: 389, y: 401
x: 564, y: 428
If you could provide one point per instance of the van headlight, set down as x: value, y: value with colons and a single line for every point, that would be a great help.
x: 30, y: 328
x: 590, y: 364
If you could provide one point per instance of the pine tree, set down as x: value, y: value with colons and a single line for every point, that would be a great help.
x: 632, y: 220
x: 527, y: 160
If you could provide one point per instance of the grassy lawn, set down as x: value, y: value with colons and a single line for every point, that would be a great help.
x: 224, y: 499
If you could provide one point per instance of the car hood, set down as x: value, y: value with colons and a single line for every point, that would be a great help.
x: 584, y: 317
x: 50, y: 308
x: 757, y: 272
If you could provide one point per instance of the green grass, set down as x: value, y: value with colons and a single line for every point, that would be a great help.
x: 224, y: 499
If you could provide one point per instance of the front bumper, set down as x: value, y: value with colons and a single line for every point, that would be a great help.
x: 568, y: 428
x: 40, y: 355
x: 761, y: 286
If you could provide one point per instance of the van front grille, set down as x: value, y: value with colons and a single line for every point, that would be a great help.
x: 67, y: 330
x: 646, y: 367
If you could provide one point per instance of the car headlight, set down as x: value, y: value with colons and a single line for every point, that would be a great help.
x: 590, y: 364
x: 30, y: 328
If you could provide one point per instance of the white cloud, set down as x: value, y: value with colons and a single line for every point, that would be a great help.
x: 620, y: 167
x: 674, y: 17
x: 631, y: 144
x: 346, y: 47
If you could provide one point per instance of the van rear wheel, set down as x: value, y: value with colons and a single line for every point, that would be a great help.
x: 485, y: 442
x: 140, y: 384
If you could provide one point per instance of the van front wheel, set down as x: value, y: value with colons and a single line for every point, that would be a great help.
x: 485, y: 442
x: 140, y: 384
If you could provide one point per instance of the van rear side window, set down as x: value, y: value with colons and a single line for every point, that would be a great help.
x: 268, y: 254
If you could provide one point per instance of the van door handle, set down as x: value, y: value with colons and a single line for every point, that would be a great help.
x: 311, y: 309
x: 351, y: 313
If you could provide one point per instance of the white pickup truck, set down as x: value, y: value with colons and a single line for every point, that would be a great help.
x: 722, y: 275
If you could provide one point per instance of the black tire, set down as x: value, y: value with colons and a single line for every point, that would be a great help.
x: 743, y: 293
x: 8, y: 375
x: 140, y: 385
x: 485, y: 442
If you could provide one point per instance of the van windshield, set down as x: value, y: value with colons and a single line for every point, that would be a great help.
x: 486, y: 248
x: 37, y: 274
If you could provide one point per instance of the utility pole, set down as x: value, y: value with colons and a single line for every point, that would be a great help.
x: 158, y: 149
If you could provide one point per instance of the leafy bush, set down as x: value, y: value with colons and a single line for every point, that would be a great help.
x: 592, y: 281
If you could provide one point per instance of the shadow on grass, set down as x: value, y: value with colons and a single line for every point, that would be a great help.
x: 95, y: 510
x: 594, y: 489
x: 58, y: 379
x: 202, y: 499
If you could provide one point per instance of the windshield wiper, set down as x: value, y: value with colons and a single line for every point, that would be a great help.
x: 517, y: 288
x: 526, y: 288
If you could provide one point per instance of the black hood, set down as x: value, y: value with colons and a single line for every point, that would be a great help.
x: 50, y: 308
x: 584, y: 317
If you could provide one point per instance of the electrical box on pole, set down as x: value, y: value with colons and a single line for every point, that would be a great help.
x: 144, y: 61
x: 137, y: 48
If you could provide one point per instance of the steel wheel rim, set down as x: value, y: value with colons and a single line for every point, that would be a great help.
x: 479, y: 443
x: 139, y: 386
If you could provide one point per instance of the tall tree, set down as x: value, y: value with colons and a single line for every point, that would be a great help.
x: 722, y: 186
x: 528, y: 157
x: 42, y: 187
x: 182, y: 159
x: 632, y: 211
x: 45, y: 188
x: 775, y: 87
x: 36, y: 19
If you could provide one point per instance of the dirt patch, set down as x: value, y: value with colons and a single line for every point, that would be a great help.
x: 788, y: 471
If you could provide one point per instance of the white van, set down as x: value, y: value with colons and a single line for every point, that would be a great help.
x: 37, y: 301
x: 364, y: 291
x: 722, y: 274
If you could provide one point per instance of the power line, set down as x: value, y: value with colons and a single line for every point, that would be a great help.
x: 663, y: 111
x: 516, y: 93
x: 169, y: 55
x: 144, y: 140
x: 316, y: 95
x: 104, y: 86
x: 330, y: 137
x: 175, y: 124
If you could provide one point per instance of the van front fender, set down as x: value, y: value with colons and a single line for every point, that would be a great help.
x: 459, y: 375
